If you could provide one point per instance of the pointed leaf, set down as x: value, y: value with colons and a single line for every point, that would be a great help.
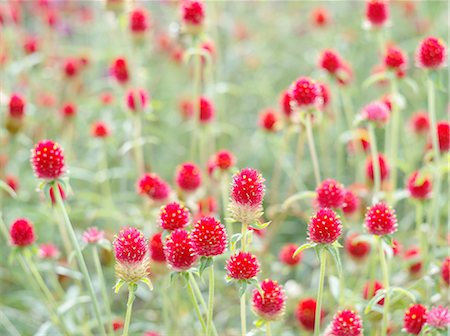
x: 297, y: 197
x: 303, y: 247
x: 118, y: 285
x: 334, y: 251
x: 378, y: 296
x: 242, y: 288
x: 147, y: 282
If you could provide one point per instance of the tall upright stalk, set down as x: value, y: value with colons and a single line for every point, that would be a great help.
x: 395, y: 124
x: 384, y: 268
x: 195, y: 303
x: 312, y: 148
x: 131, y: 296
x: 375, y: 161
x: 210, y: 301
x: 197, y: 94
x: 323, y: 261
x: 243, y: 302
x: 101, y: 278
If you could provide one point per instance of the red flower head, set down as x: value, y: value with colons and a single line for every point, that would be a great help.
x: 395, y: 59
x: 320, y: 17
x: 285, y: 104
x: 16, y: 106
x: 174, y: 216
x: 99, y: 129
x: 119, y: 70
x: 156, y: 248
x: 179, y: 250
x: 420, y: 123
x: 330, y: 194
x: 445, y: 271
x: 270, y: 302
x: 242, y: 266
x: 139, y: 21
x: 137, y: 99
x: 48, y: 251
x: 68, y: 110
x: 306, y: 313
x: 377, y: 12
x: 419, y: 186
x: 351, y: 203
x: 93, y: 235
x: 286, y: 255
x: 209, y: 237
x: 431, y: 53
x: 443, y: 133
x: 47, y: 159
x: 347, y: 323
x: 71, y: 67
x: 117, y: 323
x: 224, y: 159
x: 330, y: 61
x: 376, y: 112
x: 188, y: 177
x: 153, y: 186
x: 345, y: 74
x: 193, y: 15
x: 396, y: 247
x: 357, y: 249
x: 268, y: 120
x: 380, y: 219
x: 12, y: 182
x: 21, y: 232
x: 413, y: 258
x: 324, y: 94
x: 206, y: 206
x: 359, y: 141
x: 382, y: 163
x: 305, y: 93
x: 206, y: 110
x: 324, y: 227
x: 415, y: 318
x: 30, y: 45
x: 371, y: 288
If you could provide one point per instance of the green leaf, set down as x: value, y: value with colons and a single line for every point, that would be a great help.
x: 234, y: 239
x: 147, y: 282
x: 8, y: 189
x: 242, y: 288
x: 403, y: 292
x: 374, y: 79
x: 259, y: 323
x: 378, y: 296
x: 412, y: 84
x: 297, y: 197
x: 303, y: 247
x: 258, y: 225
x: 205, y: 262
x: 118, y: 285
x: 334, y: 251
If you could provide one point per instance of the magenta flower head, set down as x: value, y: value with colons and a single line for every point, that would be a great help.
x: 330, y: 194
x: 21, y: 233
x: 431, y: 53
x: 376, y: 112
x: 179, y: 250
x: 130, y: 250
x: 415, y: 318
x: 48, y: 251
x: 242, y: 266
x: 346, y: 323
x: 188, y: 177
x: 47, y: 160
x: 193, y: 15
x: 381, y: 219
x: 247, y: 193
x: 324, y: 227
x: 269, y: 303
x: 377, y: 12
x: 305, y: 93
x: 154, y: 187
x: 439, y: 318
x: 174, y: 216
x: 93, y: 235
x: 209, y: 237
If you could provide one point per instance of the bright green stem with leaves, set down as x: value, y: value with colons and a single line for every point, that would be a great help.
x: 98, y: 268
x: 194, y: 302
x: 81, y: 262
x: 210, y: 301
x: 244, y: 237
x: 375, y: 162
x: 312, y: 148
x: 385, y: 270
x: 323, y: 261
x: 131, y: 296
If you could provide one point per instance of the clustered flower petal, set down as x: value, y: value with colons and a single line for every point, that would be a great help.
x: 93, y: 235
x: 188, y: 177
x: 47, y: 159
x: 347, y: 323
x: 174, y: 216
x: 431, y: 53
x: 380, y: 219
x: 306, y: 313
x: 269, y: 303
x: 21, y: 232
x: 242, y: 266
x: 209, y: 237
x: 179, y: 250
x: 330, y: 194
x: 153, y: 186
x: 415, y: 318
x: 324, y: 227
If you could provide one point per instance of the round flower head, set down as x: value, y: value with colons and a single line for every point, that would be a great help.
x: 174, y: 216
x: 347, y: 323
x: 119, y: 70
x: 156, y: 248
x: 396, y: 247
x: 357, y: 249
x: 330, y: 194
x: 420, y: 122
x: 320, y: 17
x: 193, y: 15
x: 136, y: 99
x: 305, y: 93
x: 330, y: 61
x: 351, y: 203
x: 268, y: 120
x: 130, y: 250
x: 100, y: 130
x: 93, y: 235
x: 377, y: 12
x: 16, y: 106
x: 445, y: 271
x: 242, y: 266
x: 285, y: 103
x: 179, y: 250
x: 286, y: 255
x: 47, y: 159
x: 382, y: 163
x: 439, y: 317
x: 21, y: 232
x: 209, y: 237
x: 270, y: 302
x: 419, y: 186
x: 139, y: 21
x: 153, y: 186
x: 376, y: 112
x: 71, y: 67
x: 68, y: 110
x: 48, y: 251
x: 415, y: 318
x: 395, y: 59
x: 224, y: 159
x: 380, y: 219
x: 371, y: 288
x: 247, y: 193
x: 306, y: 313
x: 207, y: 110
x: 188, y: 177
x: 443, y: 133
x: 431, y: 53
x: 324, y: 227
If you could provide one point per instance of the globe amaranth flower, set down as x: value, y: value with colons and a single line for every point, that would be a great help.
x: 371, y: 289
x: 380, y: 219
x: 179, y: 250
x: 305, y: 93
x: 383, y: 168
x: 445, y: 271
x: 324, y: 227
x: 439, y: 317
x: 305, y: 313
x: 269, y: 302
x: 269, y: 120
x: 174, y: 216
x: 347, y: 323
x: 357, y: 249
x: 286, y: 255
x: 188, y: 177
x: 419, y: 185
x: 431, y: 53
x: 156, y: 248
x: 377, y: 12
x: 100, y: 130
x: 330, y: 194
x: 224, y: 159
x: 22, y: 233
x: 242, y: 266
x: 209, y: 237
x: 192, y: 15
x: 415, y: 318
x: 351, y: 203
x: 47, y: 160
x: 154, y: 187
x: 93, y: 235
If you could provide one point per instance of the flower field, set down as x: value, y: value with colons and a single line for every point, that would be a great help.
x: 184, y: 168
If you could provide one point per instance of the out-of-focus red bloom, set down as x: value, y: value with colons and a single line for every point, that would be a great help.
x: 285, y: 103
x: 139, y: 21
x: 207, y: 110
x: 48, y: 251
x: 186, y: 108
x: 384, y: 168
x: 93, y: 235
x: 13, y: 182
x: 377, y: 12
x: 71, y: 67
x: 224, y: 159
x: 306, y: 313
x: 330, y: 61
x: 117, y: 324
x: 268, y: 120
x: 106, y: 98
x: 30, y: 45
x: 445, y: 271
x: 357, y: 249
x: 419, y: 185
x: 100, y: 129
x: 21, y: 232
x: 305, y: 93
x: 153, y: 186
x: 431, y: 53
x: 16, y: 106
x: 359, y: 141
x: 395, y: 59
x: 443, y: 133
x: 192, y: 15
x: 330, y: 194
x: 351, y: 203
x: 119, y: 70
x: 371, y: 288
x: 413, y: 258
x: 420, y: 122
x: 396, y: 247
x: 376, y: 112
x: 286, y: 255
x: 324, y: 93
x: 137, y: 99
x: 188, y: 177
x: 415, y: 318
x: 320, y: 17
x: 156, y: 248
x: 68, y: 110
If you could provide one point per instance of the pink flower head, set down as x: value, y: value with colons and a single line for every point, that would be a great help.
x: 153, y: 186
x: 207, y: 110
x: 179, y: 250
x: 224, y: 159
x: 431, y: 53
x: 47, y: 159
x: 130, y: 246
x: 376, y: 112
x: 93, y: 235
x: 21, y: 233
x: 174, y: 216
x: 209, y: 237
x: 305, y: 93
x: 139, y: 21
x: 286, y: 255
x: 100, y: 129
x: 48, y: 251
x: 439, y: 317
x: 248, y: 187
x: 347, y: 323
x: 16, y: 106
x: 419, y: 186
x: 269, y: 304
x: 377, y: 12
x: 193, y: 14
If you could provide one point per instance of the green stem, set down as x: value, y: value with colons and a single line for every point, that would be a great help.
x: 268, y: 331
x: 347, y: 107
x: 195, y: 303
x: 385, y: 271
x: 210, y: 301
x: 138, y: 153
x: 312, y: 148
x: 197, y: 94
x: 81, y: 262
x: 276, y: 175
x: 131, y: 289
x: 224, y: 196
x: 243, y: 316
x: 375, y: 162
x: 101, y: 278
x: 323, y: 260
x: 202, y: 301
x: 394, y: 136
x: 244, y: 230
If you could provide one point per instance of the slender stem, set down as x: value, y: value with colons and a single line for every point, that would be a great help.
x: 202, y: 301
x: 195, y: 303
x: 166, y: 307
x: 104, y: 166
x: 385, y: 271
x: 347, y: 106
x: 276, y: 175
x: 101, y: 278
x: 131, y: 289
x: 224, y: 196
x: 375, y: 161
x: 394, y: 136
x: 268, y: 331
x: 210, y: 301
x: 323, y: 260
x: 244, y: 237
x: 137, y: 147
x: 197, y: 94
x: 8, y: 325
x: 81, y: 262
x: 312, y: 148
x: 243, y: 316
